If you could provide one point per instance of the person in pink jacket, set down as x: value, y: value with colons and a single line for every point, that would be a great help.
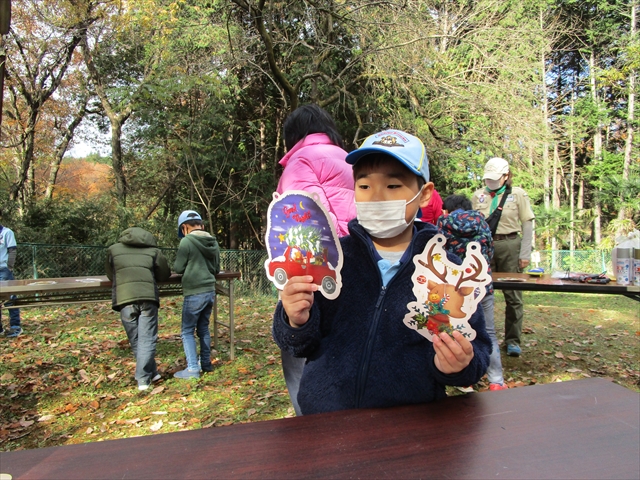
x: 315, y: 163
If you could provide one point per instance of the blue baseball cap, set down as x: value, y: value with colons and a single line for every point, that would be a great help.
x: 185, y: 216
x: 406, y: 148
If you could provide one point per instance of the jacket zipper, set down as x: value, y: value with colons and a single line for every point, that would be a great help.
x: 363, y: 373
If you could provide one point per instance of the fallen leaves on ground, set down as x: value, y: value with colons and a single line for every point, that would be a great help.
x: 70, y: 377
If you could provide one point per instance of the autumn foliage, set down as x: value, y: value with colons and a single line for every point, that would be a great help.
x: 79, y: 178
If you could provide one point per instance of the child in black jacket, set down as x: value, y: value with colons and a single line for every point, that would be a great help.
x: 359, y: 352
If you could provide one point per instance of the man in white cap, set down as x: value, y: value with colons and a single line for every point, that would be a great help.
x: 512, y: 238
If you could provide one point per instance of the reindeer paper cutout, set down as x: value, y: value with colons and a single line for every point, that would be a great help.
x: 447, y: 294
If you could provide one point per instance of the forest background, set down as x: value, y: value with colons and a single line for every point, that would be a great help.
x: 191, y: 96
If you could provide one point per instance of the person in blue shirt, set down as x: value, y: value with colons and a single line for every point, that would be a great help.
x: 359, y: 352
x: 8, y: 251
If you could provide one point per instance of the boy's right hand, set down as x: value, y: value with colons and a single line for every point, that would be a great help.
x: 297, y: 299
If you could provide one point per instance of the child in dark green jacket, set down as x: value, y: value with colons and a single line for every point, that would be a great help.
x: 134, y: 265
x: 198, y: 260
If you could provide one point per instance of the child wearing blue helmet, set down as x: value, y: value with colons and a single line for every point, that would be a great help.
x: 198, y: 260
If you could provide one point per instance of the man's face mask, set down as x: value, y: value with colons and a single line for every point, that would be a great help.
x: 384, y: 219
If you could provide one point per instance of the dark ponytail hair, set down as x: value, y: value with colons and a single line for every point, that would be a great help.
x: 309, y: 119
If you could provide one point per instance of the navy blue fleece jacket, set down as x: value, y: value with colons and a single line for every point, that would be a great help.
x: 359, y: 352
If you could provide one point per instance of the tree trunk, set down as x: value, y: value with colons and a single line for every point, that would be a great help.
x: 597, y: 148
x: 571, y: 192
x: 117, y: 120
x: 54, y: 166
x: 580, y: 205
x: 555, y: 192
x: 32, y: 86
x: 556, y: 177
x: 545, y: 120
x: 597, y: 223
x: 630, y: 117
x: 16, y: 190
x: 546, y: 164
x: 117, y: 160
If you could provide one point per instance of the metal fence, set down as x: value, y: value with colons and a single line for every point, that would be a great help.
x: 50, y: 261
x: 584, y: 261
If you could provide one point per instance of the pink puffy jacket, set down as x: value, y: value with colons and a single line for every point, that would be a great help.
x: 315, y: 164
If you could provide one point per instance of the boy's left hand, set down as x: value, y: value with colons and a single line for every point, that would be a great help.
x: 452, y: 354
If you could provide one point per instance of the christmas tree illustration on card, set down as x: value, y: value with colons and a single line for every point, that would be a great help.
x: 301, y: 240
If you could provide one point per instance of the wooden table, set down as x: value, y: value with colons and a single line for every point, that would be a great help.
x: 67, y: 290
x: 523, y: 281
x: 579, y: 429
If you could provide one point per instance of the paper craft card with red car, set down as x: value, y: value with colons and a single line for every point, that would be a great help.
x: 446, y: 294
x: 301, y: 240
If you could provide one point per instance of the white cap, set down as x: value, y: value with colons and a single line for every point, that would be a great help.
x: 495, y: 168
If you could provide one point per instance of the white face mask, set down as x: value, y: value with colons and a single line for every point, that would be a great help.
x: 493, y: 184
x: 384, y: 219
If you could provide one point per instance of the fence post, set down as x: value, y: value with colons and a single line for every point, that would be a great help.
x: 33, y: 261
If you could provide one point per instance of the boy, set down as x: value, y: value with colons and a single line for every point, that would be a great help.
x: 198, y: 259
x: 461, y: 225
x: 8, y: 250
x: 359, y: 352
x: 134, y: 265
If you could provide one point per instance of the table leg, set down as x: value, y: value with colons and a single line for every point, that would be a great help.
x: 633, y: 296
x: 231, y: 324
x: 215, y: 323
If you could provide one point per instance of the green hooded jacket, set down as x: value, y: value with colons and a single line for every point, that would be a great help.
x: 134, y: 265
x: 198, y: 259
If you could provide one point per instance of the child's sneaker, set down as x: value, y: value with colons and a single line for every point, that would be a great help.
x: 497, y: 386
x: 13, y: 332
x: 145, y: 386
x: 186, y: 373
x: 514, y: 350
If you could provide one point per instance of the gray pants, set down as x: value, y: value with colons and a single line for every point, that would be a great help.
x: 140, y: 322
x: 292, y: 367
x: 494, y: 372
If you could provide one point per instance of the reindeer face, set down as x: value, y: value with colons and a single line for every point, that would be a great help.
x: 454, y: 298
x: 434, y: 297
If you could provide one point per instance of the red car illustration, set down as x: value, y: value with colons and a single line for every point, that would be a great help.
x: 295, y: 263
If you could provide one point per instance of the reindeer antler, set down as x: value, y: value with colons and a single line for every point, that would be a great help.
x: 431, y: 267
x: 472, y: 277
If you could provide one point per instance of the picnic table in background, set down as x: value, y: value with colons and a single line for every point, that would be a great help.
x: 68, y: 290
x: 546, y: 283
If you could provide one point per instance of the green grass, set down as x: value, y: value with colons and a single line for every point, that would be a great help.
x: 70, y: 377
